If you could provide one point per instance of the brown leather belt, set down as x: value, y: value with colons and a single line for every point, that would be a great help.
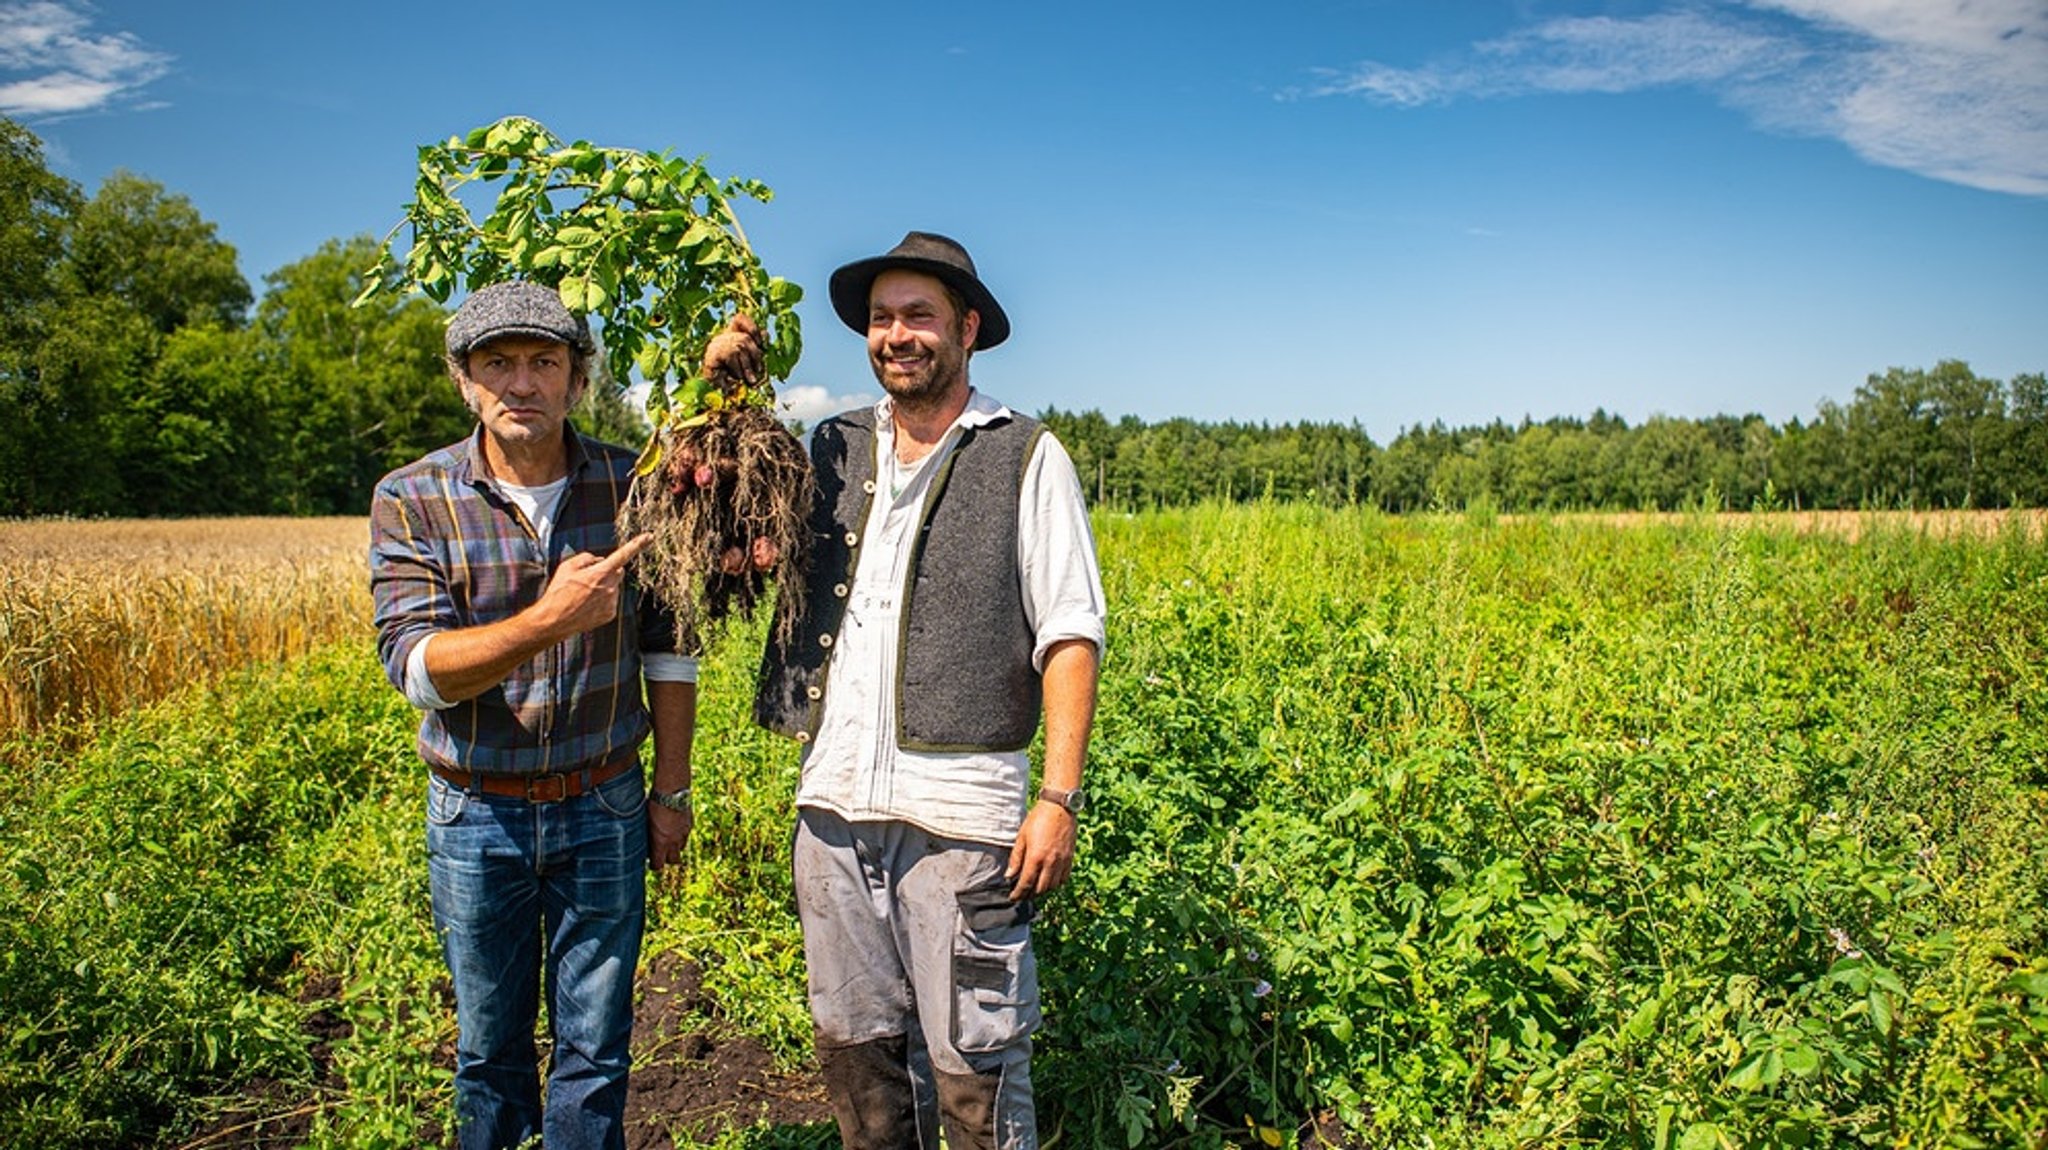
x: 551, y: 788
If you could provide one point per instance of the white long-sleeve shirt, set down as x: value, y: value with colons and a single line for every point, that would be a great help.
x: 855, y: 767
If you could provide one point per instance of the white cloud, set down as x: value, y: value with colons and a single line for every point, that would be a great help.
x: 1405, y: 88
x: 809, y: 403
x: 1573, y: 54
x: 1974, y: 25
x: 53, y: 64
x: 27, y: 30
x: 1602, y: 54
x: 1955, y: 90
x: 806, y: 404
x: 60, y: 92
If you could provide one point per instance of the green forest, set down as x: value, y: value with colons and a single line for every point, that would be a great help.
x: 142, y: 375
x: 1909, y: 439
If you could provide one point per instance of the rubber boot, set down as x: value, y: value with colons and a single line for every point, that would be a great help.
x: 872, y: 1097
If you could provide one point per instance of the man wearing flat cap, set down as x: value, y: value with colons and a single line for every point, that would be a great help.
x: 953, y: 598
x: 504, y: 614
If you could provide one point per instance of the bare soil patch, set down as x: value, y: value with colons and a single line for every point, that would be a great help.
x: 694, y: 1078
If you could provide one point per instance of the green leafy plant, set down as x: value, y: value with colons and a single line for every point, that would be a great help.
x: 1407, y: 832
x: 1471, y: 831
x: 647, y: 244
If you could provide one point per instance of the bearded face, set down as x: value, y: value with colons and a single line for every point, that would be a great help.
x: 919, y: 338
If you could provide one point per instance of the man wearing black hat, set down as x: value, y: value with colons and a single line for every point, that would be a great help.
x: 952, y: 599
x: 503, y: 613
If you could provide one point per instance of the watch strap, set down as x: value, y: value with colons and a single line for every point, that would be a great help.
x: 1075, y: 801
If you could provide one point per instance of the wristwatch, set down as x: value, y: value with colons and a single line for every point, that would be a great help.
x: 675, y: 800
x: 1075, y: 800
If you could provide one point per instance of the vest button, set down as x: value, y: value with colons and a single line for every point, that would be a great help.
x: 868, y: 486
x: 852, y: 539
x: 815, y: 692
x: 839, y: 590
x: 824, y: 640
x: 803, y: 736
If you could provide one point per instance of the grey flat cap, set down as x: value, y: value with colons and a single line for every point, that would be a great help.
x: 516, y: 307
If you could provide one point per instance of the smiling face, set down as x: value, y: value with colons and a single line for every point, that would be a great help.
x: 918, y: 339
x: 521, y: 388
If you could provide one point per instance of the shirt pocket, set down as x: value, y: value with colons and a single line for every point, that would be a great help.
x: 995, y: 974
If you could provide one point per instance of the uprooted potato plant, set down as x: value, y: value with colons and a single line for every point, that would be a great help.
x: 726, y: 505
x: 648, y: 246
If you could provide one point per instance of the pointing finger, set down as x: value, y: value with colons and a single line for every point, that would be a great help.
x: 626, y: 551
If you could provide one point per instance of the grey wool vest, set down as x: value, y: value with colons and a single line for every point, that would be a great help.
x: 964, y: 675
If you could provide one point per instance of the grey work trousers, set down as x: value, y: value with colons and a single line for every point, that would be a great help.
x: 923, y: 987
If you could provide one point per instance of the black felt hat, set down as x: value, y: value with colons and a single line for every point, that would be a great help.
x: 934, y: 255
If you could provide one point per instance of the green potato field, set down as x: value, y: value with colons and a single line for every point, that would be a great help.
x: 1432, y: 831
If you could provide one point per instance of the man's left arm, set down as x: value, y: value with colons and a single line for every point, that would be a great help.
x: 672, y: 704
x: 1062, y: 589
x: 1043, y: 856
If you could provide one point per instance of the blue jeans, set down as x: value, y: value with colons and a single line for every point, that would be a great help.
x: 520, y: 888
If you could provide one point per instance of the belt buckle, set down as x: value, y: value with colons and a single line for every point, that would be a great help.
x: 539, y: 787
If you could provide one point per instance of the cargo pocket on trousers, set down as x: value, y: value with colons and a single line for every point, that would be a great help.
x: 995, y: 976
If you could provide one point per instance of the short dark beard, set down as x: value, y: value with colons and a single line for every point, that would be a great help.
x: 933, y: 392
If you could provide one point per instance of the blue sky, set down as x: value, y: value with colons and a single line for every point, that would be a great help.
x: 1388, y: 211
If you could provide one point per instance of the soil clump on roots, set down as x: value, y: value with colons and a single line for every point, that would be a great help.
x: 728, y: 507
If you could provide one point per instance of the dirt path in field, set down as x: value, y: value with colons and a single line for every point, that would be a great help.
x: 693, y: 1078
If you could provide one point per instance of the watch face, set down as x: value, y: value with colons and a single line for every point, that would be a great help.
x: 1075, y: 800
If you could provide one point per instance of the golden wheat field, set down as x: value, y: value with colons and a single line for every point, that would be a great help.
x: 100, y: 615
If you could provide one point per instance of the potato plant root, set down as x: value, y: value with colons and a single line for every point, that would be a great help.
x: 728, y: 509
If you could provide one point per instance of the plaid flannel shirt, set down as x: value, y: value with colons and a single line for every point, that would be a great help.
x: 448, y: 550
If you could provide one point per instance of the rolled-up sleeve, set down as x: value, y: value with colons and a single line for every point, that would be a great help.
x: 657, y: 626
x: 660, y: 661
x: 408, y: 581
x: 1056, y: 552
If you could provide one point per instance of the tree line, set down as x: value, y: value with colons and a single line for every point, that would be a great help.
x: 1909, y: 438
x: 141, y: 375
